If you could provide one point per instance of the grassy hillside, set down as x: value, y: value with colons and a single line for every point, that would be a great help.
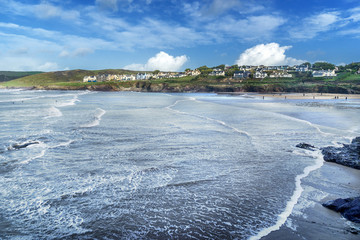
x: 10, y: 75
x: 72, y: 80
x: 54, y: 78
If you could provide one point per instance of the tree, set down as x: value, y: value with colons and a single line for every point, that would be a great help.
x: 204, y: 70
x: 306, y: 64
x: 187, y: 70
x: 222, y: 66
x: 323, y: 66
x: 156, y: 72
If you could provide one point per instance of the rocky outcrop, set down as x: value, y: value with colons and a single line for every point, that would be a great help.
x: 306, y: 146
x: 22, y: 145
x: 349, y: 208
x: 348, y: 155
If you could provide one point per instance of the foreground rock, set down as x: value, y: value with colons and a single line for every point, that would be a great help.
x: 22, y: 145
x: 306, y: 146
x: 349, y: 208
x: 348, y: 155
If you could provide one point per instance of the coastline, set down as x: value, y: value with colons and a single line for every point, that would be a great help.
x: 309, y: 219
x: 297, y: 96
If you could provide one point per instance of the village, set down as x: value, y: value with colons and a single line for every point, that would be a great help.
x: 234, y: 72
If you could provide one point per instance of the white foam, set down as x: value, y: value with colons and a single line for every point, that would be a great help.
x: 97, y: 118
x: 63, y: 144
x: 40, y: 145
x: 207, y: 118
x: 282, y: 217
x: 54, y: 112
x: 40, y: 155
x: 70, y: 102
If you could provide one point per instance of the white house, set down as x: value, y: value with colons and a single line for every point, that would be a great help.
x: 195, y: 72
x: 143, y: 76
x: 260, y: 74
x: 89, y: 79
x: 280, y: 75
x: 302, y: 68
x: 324, y: 73
x: 217, y: 72
x: 241, y: 74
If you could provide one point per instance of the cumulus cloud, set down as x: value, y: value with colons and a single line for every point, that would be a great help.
x: 271, y: 54
x: 162, y: 61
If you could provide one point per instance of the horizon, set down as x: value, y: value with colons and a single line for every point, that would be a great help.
x: 148, y: 35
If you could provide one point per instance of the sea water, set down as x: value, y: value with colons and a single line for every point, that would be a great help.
x: 124, y: 165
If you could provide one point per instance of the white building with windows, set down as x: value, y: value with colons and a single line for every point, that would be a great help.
x: 324, y: 73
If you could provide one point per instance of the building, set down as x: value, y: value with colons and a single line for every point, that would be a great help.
x: 260, y: 74
x: 324, y: 73
x: 217, y: 72
x: 143, y: 76
x: 280, y: 75
x: 241, y: 74
x: 195, y: 72
x: 302, y: 68
x: 89, y: 79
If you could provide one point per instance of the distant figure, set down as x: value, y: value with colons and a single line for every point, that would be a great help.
x: 263, y: 97
x: 304, y: 94
x: 313, y: 97
x: 285, y: 97
x: 345, y: 98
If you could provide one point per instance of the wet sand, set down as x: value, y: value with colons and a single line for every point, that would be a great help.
x: 310, y: 96
x: 309, y: 219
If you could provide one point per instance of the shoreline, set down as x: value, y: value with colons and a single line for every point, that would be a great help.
x: 264, y: 95
x: 309, y: 219
x: 297, y: 96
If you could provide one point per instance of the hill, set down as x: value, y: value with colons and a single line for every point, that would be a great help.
x: 10, y: 75
x: 345, y: 82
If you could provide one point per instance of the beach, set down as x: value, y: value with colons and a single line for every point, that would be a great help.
x: 119, y: 165
x: 309, y: 219
x: 320, y: 96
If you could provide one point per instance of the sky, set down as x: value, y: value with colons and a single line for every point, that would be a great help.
x: 173, y: 35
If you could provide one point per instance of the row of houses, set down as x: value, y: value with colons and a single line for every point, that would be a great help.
x: 139, y: 76
x: 281, y: 74
x: 259, y: 73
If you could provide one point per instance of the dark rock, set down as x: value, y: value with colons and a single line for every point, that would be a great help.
x: 21, y: 145
x: 348, y: 155
x: 306, y: 146
x: 349, y: 208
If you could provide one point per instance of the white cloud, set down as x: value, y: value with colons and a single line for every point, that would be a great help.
x: 218, y: 7
x: 108, y: 4
x: 48, y: 66
x: 250, y: 28
x: 271, y: 54
x: 316, y: 24
x: 43, y: 10
x: 162, y: 61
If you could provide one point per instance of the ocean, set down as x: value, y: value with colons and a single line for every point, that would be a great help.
x: 127, y: 165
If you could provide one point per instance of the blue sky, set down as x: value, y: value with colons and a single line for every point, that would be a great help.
x: 174, y: 35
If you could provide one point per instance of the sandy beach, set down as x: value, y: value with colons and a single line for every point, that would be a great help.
x: 311, y: 96
x: 313, y: 221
